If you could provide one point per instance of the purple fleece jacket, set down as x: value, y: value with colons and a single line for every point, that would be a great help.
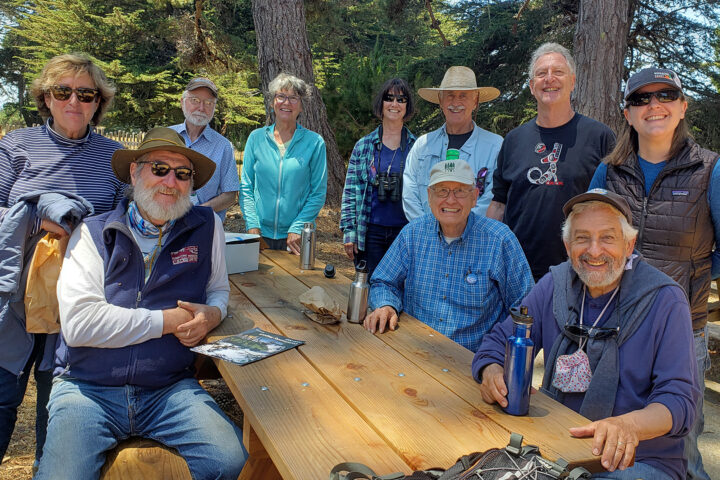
x: 655, y: 364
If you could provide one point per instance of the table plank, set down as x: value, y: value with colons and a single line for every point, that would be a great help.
x: 286, y: 410
x: 449, y: 363
x: 415, y: 409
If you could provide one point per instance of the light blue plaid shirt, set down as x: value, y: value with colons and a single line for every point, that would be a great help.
x: 460, y: 289
x: 218, y: 149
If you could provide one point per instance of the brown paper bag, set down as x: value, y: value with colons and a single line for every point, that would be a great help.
x: 326, y: 310
x: 41, y: 304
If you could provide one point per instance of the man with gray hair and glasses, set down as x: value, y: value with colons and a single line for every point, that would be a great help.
x: 198, y: 105
x: 546, y: 161
x: 452, y: 269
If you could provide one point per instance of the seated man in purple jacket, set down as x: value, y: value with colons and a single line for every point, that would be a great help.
x: 139, y: 286
x: 628, y: 324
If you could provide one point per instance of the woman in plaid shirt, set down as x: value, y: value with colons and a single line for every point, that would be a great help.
x: 372, y: 214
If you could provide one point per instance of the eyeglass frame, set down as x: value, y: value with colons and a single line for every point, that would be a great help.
x: 643, y: 99
x: 154, y: 165
x: 197, y: 101
x: 77, y: 91
x: 465, y: 191
x: 391, y: 97
x: 282, y: 98
x: 595, y: 333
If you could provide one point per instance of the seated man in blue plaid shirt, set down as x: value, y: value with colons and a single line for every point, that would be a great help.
x: 455, y: 271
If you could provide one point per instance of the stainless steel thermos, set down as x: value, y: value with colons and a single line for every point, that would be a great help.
x: 307, y: 246
x: 358, y: 299
x: 519, y: 362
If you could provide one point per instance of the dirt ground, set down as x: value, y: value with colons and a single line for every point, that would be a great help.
x: 19, y: 457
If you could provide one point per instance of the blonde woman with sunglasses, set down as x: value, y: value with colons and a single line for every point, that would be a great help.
x: 65, y: 154
x: 672, y: 187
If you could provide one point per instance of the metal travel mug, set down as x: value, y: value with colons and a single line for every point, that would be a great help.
x: 358, y: 299
x: 307, y: 247
x: 519, y: 363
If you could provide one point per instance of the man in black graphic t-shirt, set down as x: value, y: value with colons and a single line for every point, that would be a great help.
x: 546, y: 161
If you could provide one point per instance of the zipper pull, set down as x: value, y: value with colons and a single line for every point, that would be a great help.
x: 139, y: 297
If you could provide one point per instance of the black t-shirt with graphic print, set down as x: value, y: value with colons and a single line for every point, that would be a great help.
x: 538, y: 170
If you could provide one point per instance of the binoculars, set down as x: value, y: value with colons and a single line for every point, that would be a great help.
x: 388, y: 185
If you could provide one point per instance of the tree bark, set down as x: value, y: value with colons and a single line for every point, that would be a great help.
x: 600, y: 45
x: 283, y: 47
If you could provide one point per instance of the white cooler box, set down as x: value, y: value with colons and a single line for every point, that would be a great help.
x: 242, y: 251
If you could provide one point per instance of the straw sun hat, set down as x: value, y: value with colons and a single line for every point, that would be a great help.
x: 459, y: 78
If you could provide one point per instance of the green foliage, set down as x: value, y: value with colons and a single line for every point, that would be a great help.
x: 150, y: 49
x: 676, y: 34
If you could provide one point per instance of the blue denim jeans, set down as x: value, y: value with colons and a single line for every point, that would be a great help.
x: 87, y: 420
x: 696, y: 470
x: 276, y: 243
x: 639, y: 471
x: 12, y: 392
x: 378, y: 239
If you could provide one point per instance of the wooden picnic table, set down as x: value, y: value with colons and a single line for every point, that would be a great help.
x: 398, y: 401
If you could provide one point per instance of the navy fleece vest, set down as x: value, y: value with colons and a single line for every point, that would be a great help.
x: 181, y: 271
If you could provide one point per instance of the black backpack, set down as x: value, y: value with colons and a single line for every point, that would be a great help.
x: 513, y: 462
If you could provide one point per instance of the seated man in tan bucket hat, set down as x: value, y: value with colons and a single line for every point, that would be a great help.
x: 458, y: 138
x: 139, y: 286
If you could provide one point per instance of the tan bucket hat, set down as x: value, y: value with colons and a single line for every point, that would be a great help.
x: 459, y: 78
x: 163, y: 138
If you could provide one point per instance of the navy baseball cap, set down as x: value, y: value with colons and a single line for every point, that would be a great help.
x: 647, y: 76
x: 600, y: 195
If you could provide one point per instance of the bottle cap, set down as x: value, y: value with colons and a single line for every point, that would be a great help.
x: 452, y: 154
x: 520, y: 315
x: 329, y: 271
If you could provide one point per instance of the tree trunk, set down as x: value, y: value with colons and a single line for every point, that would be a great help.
x: 283, y: 47
x: 600, y: 45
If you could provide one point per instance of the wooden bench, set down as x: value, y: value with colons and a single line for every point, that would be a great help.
x: 145, y: 459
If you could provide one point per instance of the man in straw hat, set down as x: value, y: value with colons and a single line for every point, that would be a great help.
x: 454, y: 270
x: 458, y: 138
x: 546, y: 161
x: 616, y: 339
x: 140, y: 285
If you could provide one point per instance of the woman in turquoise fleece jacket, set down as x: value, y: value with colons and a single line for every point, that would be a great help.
x: 284, y: 173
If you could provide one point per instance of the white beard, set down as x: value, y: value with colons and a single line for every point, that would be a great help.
x: 145, y: 199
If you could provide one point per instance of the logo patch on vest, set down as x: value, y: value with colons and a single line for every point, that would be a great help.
x: 185, y: 255
x: 683, y: 193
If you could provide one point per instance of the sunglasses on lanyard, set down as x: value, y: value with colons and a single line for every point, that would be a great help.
x: 480, y: 180
x: 599, y: 333
x: 663, y: 96
x: 160, y: 169
x: 84, y: 95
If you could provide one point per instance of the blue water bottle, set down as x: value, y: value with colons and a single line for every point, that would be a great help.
x: 519, y: 363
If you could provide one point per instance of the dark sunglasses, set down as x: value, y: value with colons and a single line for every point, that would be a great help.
x: 481, y: 179
x: 598, y: 333
x: 84, y: 95
x: 663, y: 96
x: 389, y: 97
x: 160, y: 169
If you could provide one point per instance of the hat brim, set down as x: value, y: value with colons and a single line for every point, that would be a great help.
x: 485, y: 94
x: 202, y: 165
x: 598, y: 197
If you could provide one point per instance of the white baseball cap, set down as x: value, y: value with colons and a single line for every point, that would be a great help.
x: 452, y: 171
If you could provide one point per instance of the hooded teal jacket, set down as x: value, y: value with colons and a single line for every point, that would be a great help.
x: 281, y: 193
